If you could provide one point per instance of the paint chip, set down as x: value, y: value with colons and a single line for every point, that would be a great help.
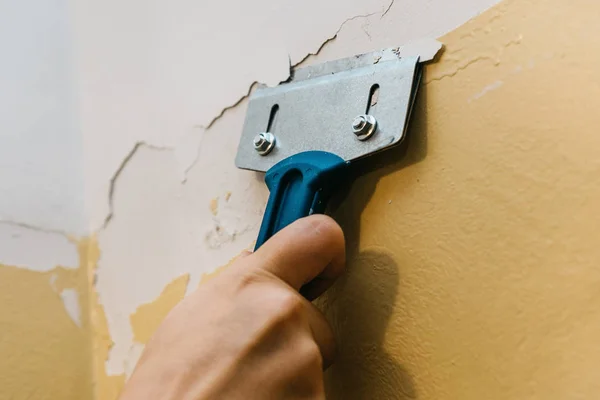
x: 149, y: 316
x: 70, y: 299
x: 214, y: 206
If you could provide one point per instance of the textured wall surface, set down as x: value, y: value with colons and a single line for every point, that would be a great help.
x: 474, y: 257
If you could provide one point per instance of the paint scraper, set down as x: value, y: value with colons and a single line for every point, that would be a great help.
x: 306, y: 132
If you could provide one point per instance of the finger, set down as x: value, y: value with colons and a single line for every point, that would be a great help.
x: 310, y: 247
x: 322, y: 333
x: 313, y: 289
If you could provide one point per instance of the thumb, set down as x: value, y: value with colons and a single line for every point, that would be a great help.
x: 310, y: 248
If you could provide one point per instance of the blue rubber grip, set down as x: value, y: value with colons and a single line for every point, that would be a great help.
x: 299, y: 186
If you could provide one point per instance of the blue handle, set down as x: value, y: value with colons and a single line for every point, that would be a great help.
x: 300, y: 185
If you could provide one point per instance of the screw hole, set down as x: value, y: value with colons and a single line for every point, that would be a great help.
x: 373, y: 98
x: 272, y: 117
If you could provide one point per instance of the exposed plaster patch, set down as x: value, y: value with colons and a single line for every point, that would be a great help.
x: 69, y: 296
x: 166, y: 236
x: 35, y: 249
x: 134, y: 354
x: 226, y: 224
x: 52, y: 281
x: 70, y: 299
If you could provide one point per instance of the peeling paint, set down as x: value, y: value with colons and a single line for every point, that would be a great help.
x: 180, y: 212
x: 70, y: 299
x: 44, y: 348
x: 148, y: 317
x: 106, y: 386
x: 166, y: 100
x: 214, y: 206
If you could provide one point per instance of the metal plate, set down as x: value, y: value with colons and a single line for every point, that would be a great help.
x: 316, y: 108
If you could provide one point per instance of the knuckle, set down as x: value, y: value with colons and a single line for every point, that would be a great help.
x: 284, y: 313
x: 309, y: 355
x: 249, y: 279
x: 285, y: 309
x: 290, y: 306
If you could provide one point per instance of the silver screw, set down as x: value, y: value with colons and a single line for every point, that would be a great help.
x: 264, y: 143
x: 364, y: 126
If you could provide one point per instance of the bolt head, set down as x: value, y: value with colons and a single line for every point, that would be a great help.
x: 264, y: 143
x: 364, y: 126
x: 258, y: 141
x: 359, y: 123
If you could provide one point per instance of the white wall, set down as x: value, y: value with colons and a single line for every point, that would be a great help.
x: 41, y: 158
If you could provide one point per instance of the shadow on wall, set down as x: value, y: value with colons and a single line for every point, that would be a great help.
x: 361, y: 303
x: 359, y: 309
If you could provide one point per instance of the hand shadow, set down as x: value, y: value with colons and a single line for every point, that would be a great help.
x: 359, y: 306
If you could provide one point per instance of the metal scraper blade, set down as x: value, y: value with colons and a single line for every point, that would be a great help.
x: 315, y: 109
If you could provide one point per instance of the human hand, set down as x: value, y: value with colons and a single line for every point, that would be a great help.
x: 248, y: 333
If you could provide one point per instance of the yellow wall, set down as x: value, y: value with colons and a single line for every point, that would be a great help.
x: 45, y: 355
x: 474, y: 259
